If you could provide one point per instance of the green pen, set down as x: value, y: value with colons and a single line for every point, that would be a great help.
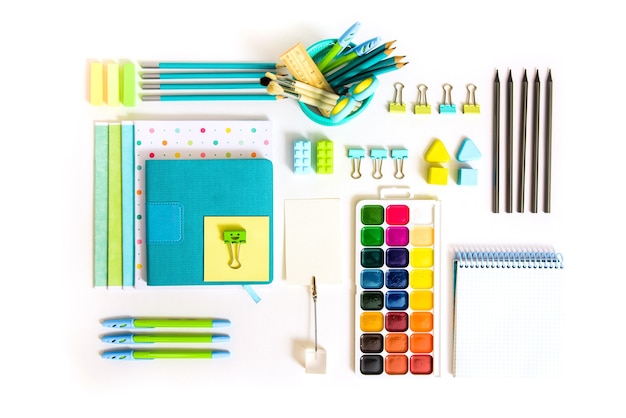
x: 164, y: 338
x: 129, y: 323
x: 163, y: 354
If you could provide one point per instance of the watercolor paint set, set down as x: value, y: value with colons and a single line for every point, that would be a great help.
x: 397, y: 287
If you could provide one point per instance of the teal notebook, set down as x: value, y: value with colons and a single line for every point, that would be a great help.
x: 191, y: 205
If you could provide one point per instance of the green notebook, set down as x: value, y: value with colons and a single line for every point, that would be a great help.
x: 192, y: 205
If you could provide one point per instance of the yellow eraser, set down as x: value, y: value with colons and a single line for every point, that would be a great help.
x: 437, y: 153
x: 112, y: 84
x: 437, y: 175
x: 96, y: 83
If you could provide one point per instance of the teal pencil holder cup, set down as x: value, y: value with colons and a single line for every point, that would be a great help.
x: 316, y: 51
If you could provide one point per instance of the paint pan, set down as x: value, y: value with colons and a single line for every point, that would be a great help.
x: 397, y: 287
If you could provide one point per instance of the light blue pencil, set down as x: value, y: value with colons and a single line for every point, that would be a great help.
x: 211, y: 75
x: 206, y: 97
x: 173, y: 65
x: 200, y: 86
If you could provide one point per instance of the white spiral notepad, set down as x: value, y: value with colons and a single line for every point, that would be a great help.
x: 507, y: 309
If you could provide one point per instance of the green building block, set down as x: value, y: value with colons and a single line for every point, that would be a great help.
x: 325, y: 157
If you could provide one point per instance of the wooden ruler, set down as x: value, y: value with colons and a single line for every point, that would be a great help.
x: 303, y: 68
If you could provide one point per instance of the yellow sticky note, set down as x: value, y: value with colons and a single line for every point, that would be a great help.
x: 96, y: 83
x: 112, y: 84
x: 253, y: 255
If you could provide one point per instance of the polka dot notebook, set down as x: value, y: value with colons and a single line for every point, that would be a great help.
x: 507, y: 313
x: 190, y: 140
x: 122, y: 150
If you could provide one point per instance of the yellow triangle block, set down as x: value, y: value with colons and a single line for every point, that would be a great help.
x: 437, y: 153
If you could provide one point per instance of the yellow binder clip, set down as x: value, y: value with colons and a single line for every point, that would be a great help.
x: 422, y: 107
x: 471, y: 106
x: 397, y: 106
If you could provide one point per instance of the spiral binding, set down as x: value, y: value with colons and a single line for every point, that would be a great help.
x: 509, y: 259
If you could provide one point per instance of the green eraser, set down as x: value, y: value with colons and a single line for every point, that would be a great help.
x: 128, y: 93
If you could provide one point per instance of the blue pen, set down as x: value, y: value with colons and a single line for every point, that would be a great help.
x: 343, y: 41
x: 353, y: 53
x: 129, y: 323
x: 163, y: 354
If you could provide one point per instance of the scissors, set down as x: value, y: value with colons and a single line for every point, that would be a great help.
x: 356, y: 95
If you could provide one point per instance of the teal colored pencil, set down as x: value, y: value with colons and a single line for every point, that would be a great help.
x: 206, y: 97
x: 362, y: 68
x: 173, y: 65
x: 356, y: 61
x: 360, y: 77
x: 359, y: 65
x: 386, y: 62
x: 211, y: 75
x: 200, y: 86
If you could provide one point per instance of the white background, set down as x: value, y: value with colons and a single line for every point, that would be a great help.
x: 49, y: 351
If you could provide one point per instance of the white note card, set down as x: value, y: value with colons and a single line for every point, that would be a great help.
x: 312, y: 241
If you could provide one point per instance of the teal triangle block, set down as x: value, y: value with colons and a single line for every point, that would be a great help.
x: 468, y: 151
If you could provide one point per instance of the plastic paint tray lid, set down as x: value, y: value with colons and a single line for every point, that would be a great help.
x: 311, y: 112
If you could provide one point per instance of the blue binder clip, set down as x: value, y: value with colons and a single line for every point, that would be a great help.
x: 356, y: 155
x: 399, y: 155
x: 378, y: 155
x: 446, y: 106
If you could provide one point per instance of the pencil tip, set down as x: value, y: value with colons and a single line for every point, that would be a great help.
x: 150, y: 98
x: 264, y: 81
x: 549, y: 74
x: 497, y: 79
x: 149, y: 64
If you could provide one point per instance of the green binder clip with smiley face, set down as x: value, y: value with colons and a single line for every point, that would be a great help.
x: 233, y: 238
